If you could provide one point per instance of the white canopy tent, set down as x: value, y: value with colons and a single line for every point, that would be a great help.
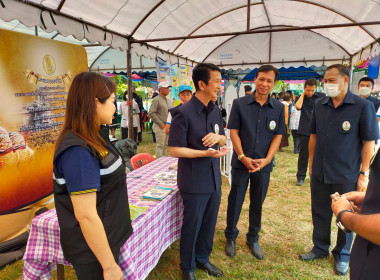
x: 281, y: 32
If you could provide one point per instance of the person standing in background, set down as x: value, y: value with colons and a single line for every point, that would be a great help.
x: 158, y: 112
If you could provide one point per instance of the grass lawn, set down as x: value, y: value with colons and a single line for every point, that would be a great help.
x: 286, y: 232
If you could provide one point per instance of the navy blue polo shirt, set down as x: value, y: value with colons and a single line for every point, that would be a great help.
x: 306, y: 111
x: 375, y: 101
x: 191, y: 122
x: 257, y: 125
x: 340, y: 134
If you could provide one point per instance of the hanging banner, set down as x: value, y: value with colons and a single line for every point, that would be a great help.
x: 163, y: 70
x: 373, y: 67
x: 35, y: 77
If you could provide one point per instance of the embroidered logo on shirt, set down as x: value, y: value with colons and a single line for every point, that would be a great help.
x: 216, y: 128
x: 346, y: 125
x: 272, y: 125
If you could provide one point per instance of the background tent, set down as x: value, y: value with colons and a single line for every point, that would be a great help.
x: 291, y: 73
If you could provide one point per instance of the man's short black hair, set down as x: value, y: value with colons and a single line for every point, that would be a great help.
x: 201, y: 72
x: 343, y: 71
x: 367, y: 79
x: 287, y: 96
x: 247, y: 88
x: 267, y: 68
x: 310, y: 82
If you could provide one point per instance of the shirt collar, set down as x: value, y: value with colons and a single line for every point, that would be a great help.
x: 349, y: 99
x: 251, y: 99
x: 200, y: 106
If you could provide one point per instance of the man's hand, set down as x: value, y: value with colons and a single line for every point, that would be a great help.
x: 341, y: 203
x: 217, y: 153
x: 250, y: 163
x: 260, y: 164
x: 162, y: 125
x: 362, y: 183
x: 356, y: 199
x: 113, y: 273
x: 211, y: 139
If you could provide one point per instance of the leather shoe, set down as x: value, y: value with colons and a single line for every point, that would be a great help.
x: 211, y: 269
x: 188, y: 275
x: 256, y: 250
x: 230, y: 248
x: 341, y: 268
x: 309, y: 256
x: 300, y: 182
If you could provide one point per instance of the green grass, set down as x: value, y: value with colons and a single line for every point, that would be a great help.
x: 286, y: 232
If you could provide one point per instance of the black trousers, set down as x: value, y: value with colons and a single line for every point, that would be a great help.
x: 296, y: 141
x: 257, y: 192
x: 141, y: 127
x: 124, y: 133
x: 322, y: 215
x: 200, y: 211
x: 303, y: 157
x: 93, y: 271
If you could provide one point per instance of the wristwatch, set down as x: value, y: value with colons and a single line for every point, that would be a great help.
x: 339, y: 223
x: 365, y: 173
x: 241, y: 156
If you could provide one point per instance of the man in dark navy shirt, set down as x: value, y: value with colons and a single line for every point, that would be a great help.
x: 305, y: 103
x: 343, y: 131
x: 195, y: 134
x: 365, y: 87
x: 256, y: 125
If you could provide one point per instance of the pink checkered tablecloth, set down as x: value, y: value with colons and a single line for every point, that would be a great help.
x: 153, y: 232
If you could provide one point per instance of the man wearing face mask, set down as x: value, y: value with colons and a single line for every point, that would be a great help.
x: 343, y: 131
x: 365, y: 87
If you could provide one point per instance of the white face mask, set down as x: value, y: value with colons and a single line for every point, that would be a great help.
x: 332, y: 90
x: 364, y: 91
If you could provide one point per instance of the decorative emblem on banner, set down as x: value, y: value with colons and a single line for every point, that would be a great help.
x: 272, y: 125
x: 49, y: 64
x: 346, y: 126
x: 216, y: 128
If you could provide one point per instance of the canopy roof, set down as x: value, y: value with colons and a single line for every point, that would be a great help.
x: 230, y: 33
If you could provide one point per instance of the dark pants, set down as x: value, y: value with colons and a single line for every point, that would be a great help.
x: 296, y: 141
x: 257, y: 192
x: 303, y: 157
x: 322, y: 215
x: 124, y: 133
x: 141, y: 127
x: 200, y: 212
x: 92, y: 271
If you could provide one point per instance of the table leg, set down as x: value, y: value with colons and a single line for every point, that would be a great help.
x: 60, y: 271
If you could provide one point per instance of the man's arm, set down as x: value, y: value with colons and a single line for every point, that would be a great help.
x: 367, y: 226
x: 312, y: 142
x: 236, y: 143
x: 184, y: 152
x: 367, y: 153
x: 274, y: 145
x: 299, y: 102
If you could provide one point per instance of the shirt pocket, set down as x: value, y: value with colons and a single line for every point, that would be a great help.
x: 345, y: 126
x: 272, y: 124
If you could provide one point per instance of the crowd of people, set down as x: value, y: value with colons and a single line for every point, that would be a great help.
x: 334, y: 136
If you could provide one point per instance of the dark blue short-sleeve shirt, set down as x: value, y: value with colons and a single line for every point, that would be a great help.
x: 306, y: 111
x: 257, y: 125
x: 375, y: 101
x: 191, y: 122
x: 340, y: 134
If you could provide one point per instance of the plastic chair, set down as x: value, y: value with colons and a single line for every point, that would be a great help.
x: 140, y: 160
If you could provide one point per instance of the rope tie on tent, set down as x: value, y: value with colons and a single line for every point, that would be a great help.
x: 84, y: 25
x: 42, y: 18
x: 304, y: 61
x: 2, y: 4
x: 105, y: 35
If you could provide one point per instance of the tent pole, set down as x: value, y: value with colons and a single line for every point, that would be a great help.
x: 130, y: 96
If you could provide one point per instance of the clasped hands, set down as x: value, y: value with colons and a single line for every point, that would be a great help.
x: 254, y: 165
